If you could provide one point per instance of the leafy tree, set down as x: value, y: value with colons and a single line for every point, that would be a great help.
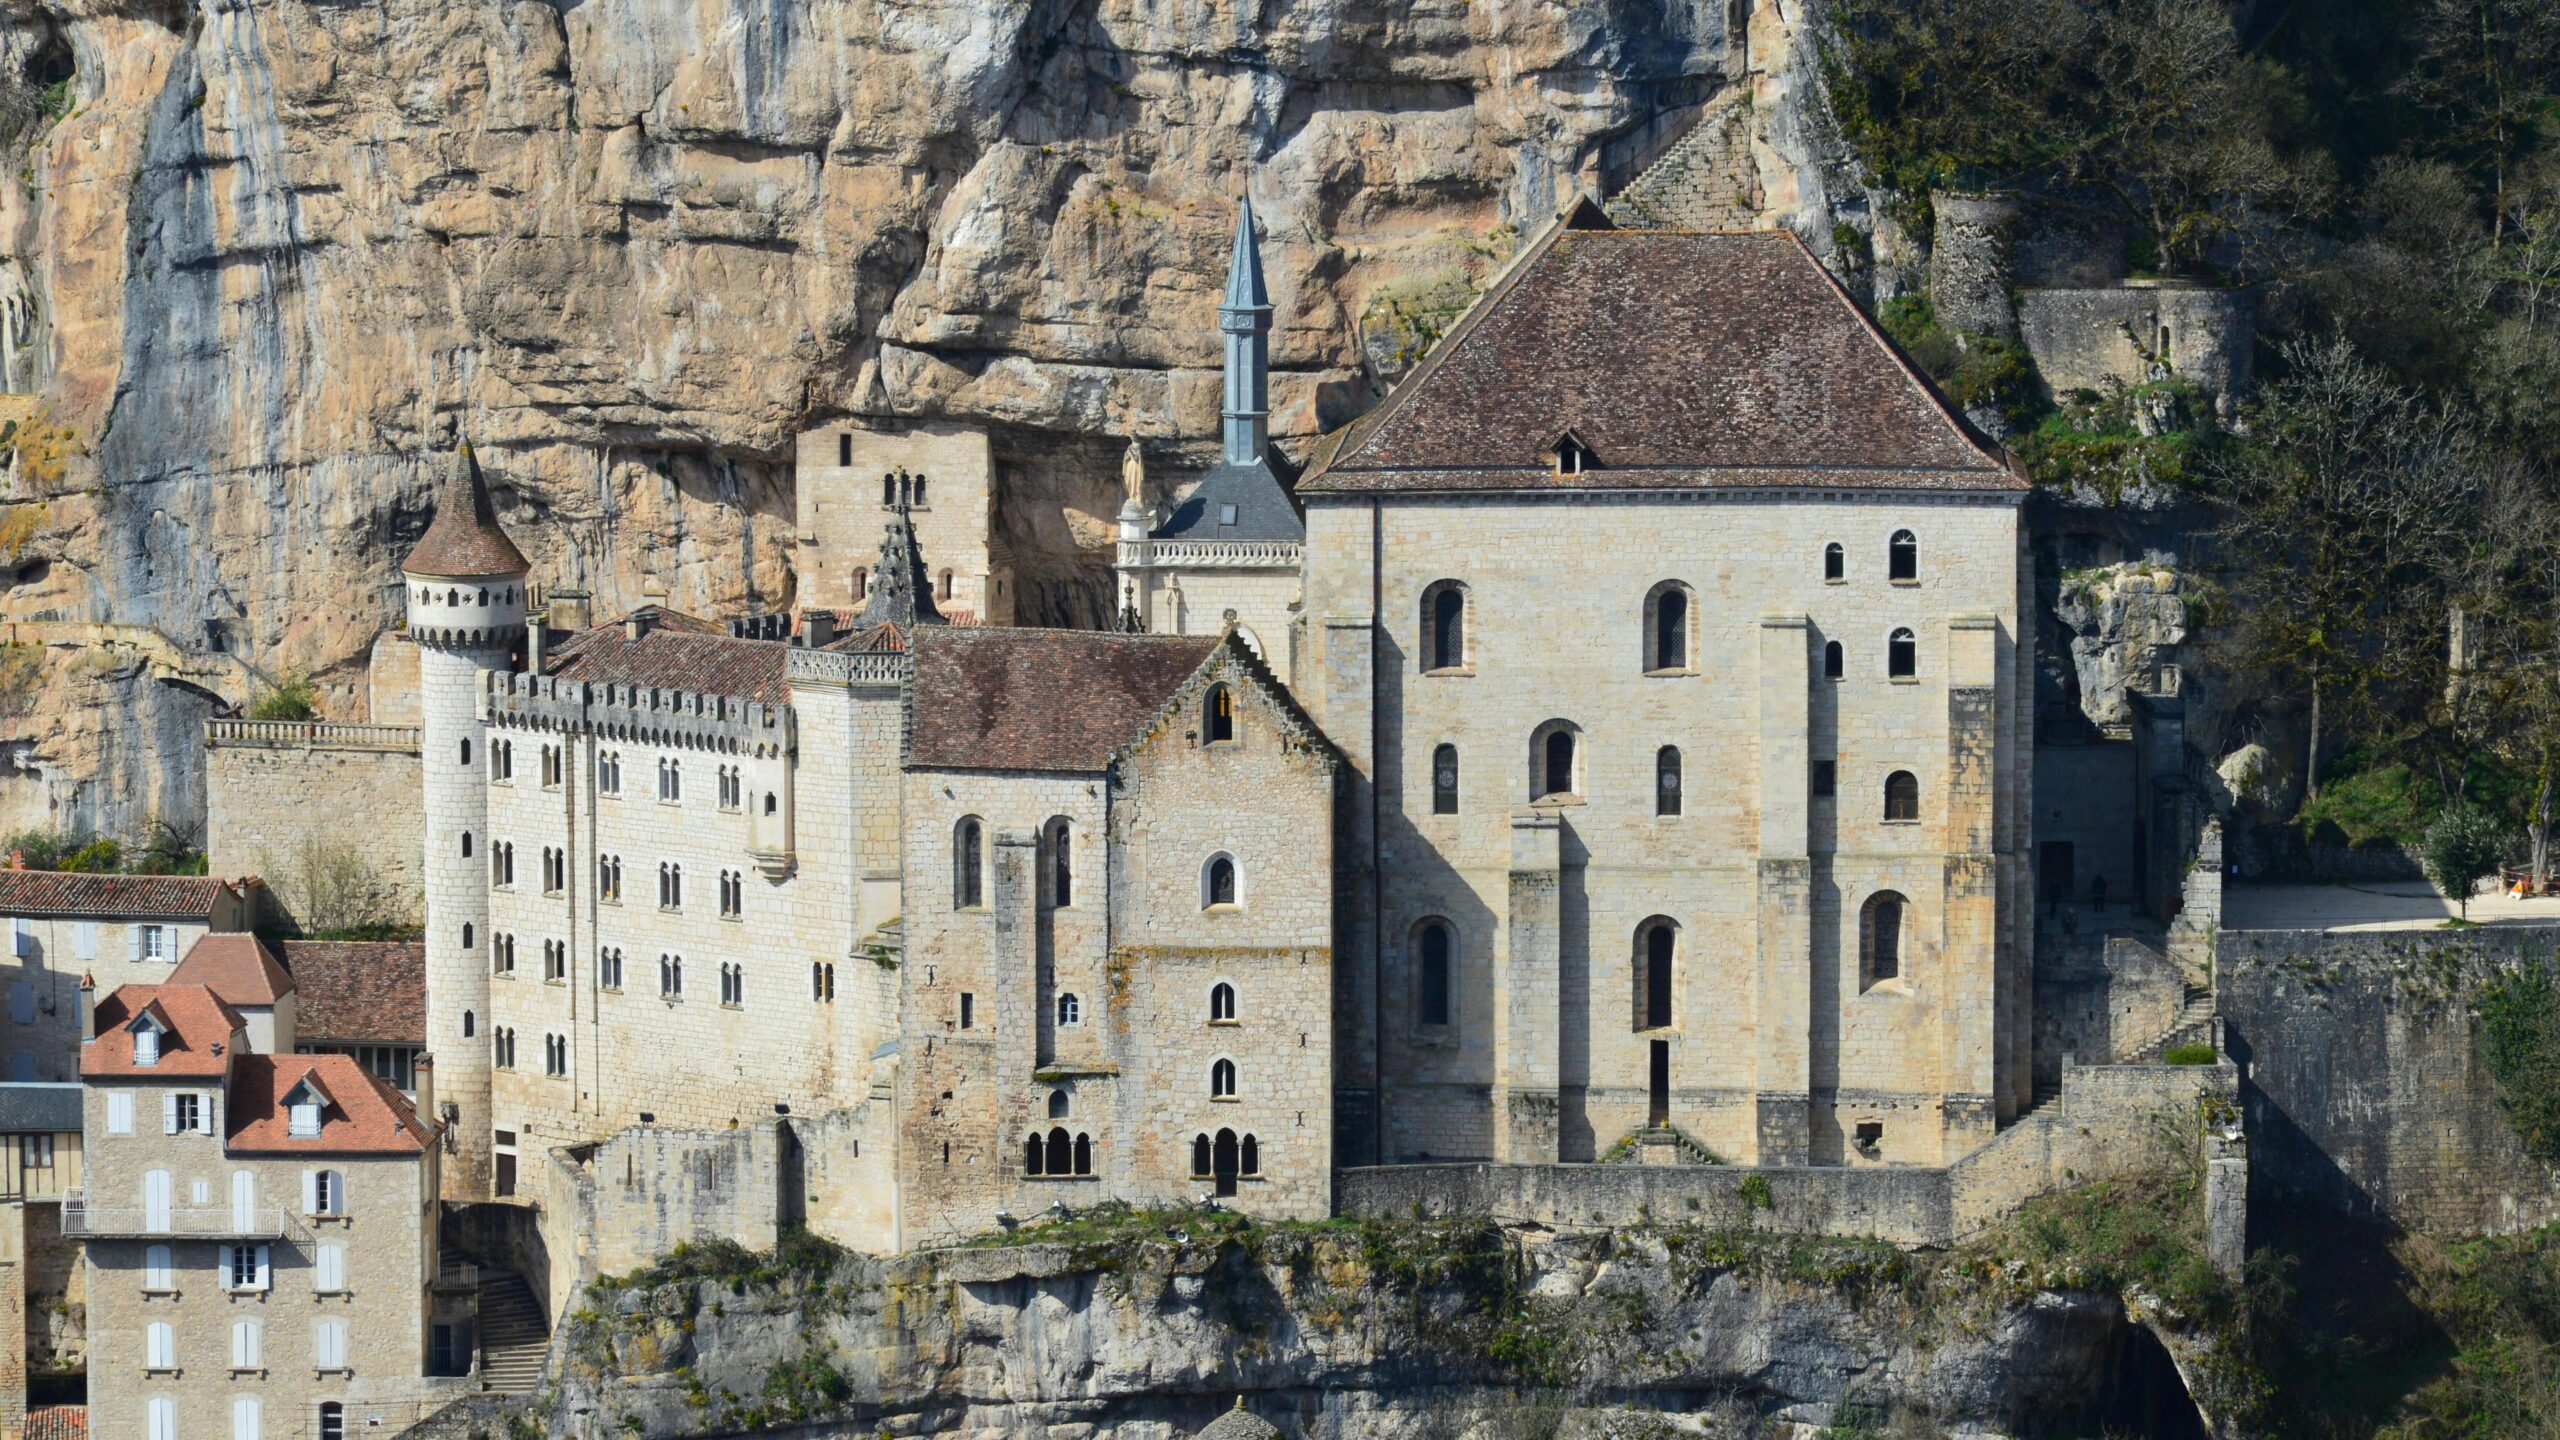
x: 2487, y: 74
x: 291, y: 697
x: 2463, y: 847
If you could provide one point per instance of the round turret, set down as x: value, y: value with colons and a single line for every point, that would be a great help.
x: 466, y: 579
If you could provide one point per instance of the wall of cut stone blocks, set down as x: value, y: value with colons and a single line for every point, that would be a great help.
x: 841, y: 519
x: 275, y: 809
x: 1555, y: 638
x: 1195, y: 602
x: 64, y: 951
x: 453, y: 760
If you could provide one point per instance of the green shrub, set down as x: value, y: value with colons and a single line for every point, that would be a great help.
x: 1977, y: 371
x: 2520, y: 1045
x: 291, y: 697
x: 1755, y: 1192
x: 2188, y: 1055
x: 2463, y: 847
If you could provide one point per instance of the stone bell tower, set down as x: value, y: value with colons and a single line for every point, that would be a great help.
x: 466, y: 583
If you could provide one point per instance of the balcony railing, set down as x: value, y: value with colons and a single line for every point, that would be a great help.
x: 198, y: 1222
x: 312, y: 734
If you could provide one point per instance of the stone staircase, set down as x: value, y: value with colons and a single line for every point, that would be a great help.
x: 1660, y: 1145
x: 513, y: 1335
x: 1705, y: 180
x: 2194, y: 1026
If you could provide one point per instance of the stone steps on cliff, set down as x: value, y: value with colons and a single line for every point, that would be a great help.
x: 513, y: 1335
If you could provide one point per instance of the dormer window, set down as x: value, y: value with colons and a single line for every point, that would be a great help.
x: 302, y: 1111
x: 1573, y: 457
x: 146, y: 1040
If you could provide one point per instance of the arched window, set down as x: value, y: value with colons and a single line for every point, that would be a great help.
x: 1444, y: 780
x: 1434, y: 949
x: 1222, y: 1080
x: 1084, y: 1154
x: 1444, y: 626
x: 1058, y: 838
x: 1200, y: 1157
x: 1222, y: 1004
x: 1902, y: 557
x: 1218, y: 882
x: 1657, y: 948
x: 861, y: 582
x: 1070, y: 1011
x: 1218, y: 715
x: 1902, y: 655
x: 467, y: 936
x: 1249, y: 1156
x: 968, y: 864
x: 1666, y: 780
x: 1554, y: 761
x: 1666, y: 640
x: 1880, y: 938
x: 467, y: 1024
x: 917, y: 493
x: 1835, y: 660
x: 1035, y: 1157
x: 1226, y: 1162
x: 888, y: 490
x: 942, y: 587
x: 1058, y: 1104
x: 466, y: 844
x: 1835, y: 561
x: 1901, y: 796
x: 1062, y: 1159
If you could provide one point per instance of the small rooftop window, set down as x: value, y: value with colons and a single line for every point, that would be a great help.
x: 1573, y: 456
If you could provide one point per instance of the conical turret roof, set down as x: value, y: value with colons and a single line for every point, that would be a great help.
x: 1244, y: 266
x: 901, y: 593
x: 464, y: 542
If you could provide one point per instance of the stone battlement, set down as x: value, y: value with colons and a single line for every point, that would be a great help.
x: 639, y: 714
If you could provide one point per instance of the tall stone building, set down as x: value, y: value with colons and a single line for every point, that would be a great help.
x: 1671, y: 627
x: 1230, y: 551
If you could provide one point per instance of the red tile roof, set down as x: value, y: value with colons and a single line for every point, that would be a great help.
x: 360, y: 990
x: 57, y: 1422
x: 239, y: 968
x: 1009, y: 699
x: 1683, y: 360
x: 364, y: 1116
x: 58, y: 892
x: 199, y: 1021
x: 463, y: 541
x: 671, y: 654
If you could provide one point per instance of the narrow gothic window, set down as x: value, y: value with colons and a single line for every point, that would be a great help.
x: 967, y: 845
x: 1444, y: 618
x: 1661, y: 940
x: 1219, y: 886
x: 1902, y: 556
x: 1444, y: 780
x: 1901, y: 796
x: 1250, y: 1156
x: 1669, y: 641
x: 1222, y: 1080
x: 918, y: 493
x: 466, y: 934
x: 844, y: 447
x: 942, y: 587
x: 1555, y: 763
x: 861, y: 583
x: 1835, y: 561
x: 1220, y: 711
x: 466, y: 1024
x: 1666, y: 780
x: 1835, y: 661
x: 888, y: 490
x: 1880, y: 937
x: 1434, y: 944
x: 1058, y: 1104
x: 1222, y: 1003
x: 1902, y: 655
x: 1034, y: 1157
x: 1200, y: 1157
x: 1084, y: 1154
x: 1062, y: 878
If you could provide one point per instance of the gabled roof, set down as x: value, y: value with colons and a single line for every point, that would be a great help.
x: 157, y: 897
x: 1264, y: 510
x: 237, y: 967
x: 463, y: 541
x: 359, y: 990
x: 35, y: 1107
x: 1684, y: 360
x: 675, y: 652
x: 202, y: 1038
x: 363, y: 1116
x: 1055, y: 700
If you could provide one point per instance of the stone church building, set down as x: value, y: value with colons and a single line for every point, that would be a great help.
x: 1614, y: 736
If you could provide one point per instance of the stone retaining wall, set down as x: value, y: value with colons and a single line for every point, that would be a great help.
x: 294, y: 802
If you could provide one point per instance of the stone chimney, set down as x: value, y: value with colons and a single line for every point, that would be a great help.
x: 423, y: 1086
x: 817, y: 628
x: 572, y: 610
x: 88, y: 1008
x: 536, y: 626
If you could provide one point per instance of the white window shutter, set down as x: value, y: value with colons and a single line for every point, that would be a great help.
x: 244, y: 1345
x: 245, y: 1417
x: 164, y: 1418
x: 133, y: 942
x: 84, y: 940
x: 338, y: 1193
x: 159, y: 1346
x: 329, y: 1345
x: 120, y: 1112
x: 262, y: 1268
x: 331, y: 1269
x: 310, y: 1192
x: 169, y: 1113
x: 204, y: 1113
x: 157, y: 1261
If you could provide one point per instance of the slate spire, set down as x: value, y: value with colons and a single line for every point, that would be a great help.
x: 901, y: 592
x: 1244, y: 319
x: 464, y: 540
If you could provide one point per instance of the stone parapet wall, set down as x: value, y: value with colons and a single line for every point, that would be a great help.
x: 2096, y: 338
x: 2366, y: 1088
x: 293, y: 801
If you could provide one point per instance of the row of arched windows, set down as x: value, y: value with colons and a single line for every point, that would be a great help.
x: 1655, y: 968
x: 1220, y: 882
x: 1556, y: 773
x: 484, y: 595
x: 1670, y: 608
x: 1226, y: 1159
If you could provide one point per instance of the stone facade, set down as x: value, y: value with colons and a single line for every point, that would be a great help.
x: 1777, y: 1049
x: 838, y: 484
x: 2130, y: 334
x: 284, y: 799
x: 45, y: 957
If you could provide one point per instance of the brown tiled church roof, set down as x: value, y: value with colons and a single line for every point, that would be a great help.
x: 60, y: 892
x: 673, y: 655
x: 372, y: 991
x: 464, y: 542
x: 1683, y: 360
x: 237, y: 967
x: 1007, y: 699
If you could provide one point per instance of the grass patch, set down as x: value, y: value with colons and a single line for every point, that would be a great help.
x: 2520, y: 1046
x: 2187, y: 1055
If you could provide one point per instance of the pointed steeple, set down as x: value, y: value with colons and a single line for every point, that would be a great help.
x: 1244, y: 318
x: 464, y: 541
x: 901, y: 592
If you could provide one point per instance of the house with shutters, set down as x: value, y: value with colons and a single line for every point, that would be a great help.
x: 261, y: 1229
x: 56, y: 927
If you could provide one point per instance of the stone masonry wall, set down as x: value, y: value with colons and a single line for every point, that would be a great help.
x: 2365, y: 1087
x: 279, y: 798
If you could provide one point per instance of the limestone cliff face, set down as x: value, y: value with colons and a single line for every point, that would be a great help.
x: 257, y: 259
x: 1448, y: 1333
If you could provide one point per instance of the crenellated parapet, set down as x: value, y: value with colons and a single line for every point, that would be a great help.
x: 640, y: 715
